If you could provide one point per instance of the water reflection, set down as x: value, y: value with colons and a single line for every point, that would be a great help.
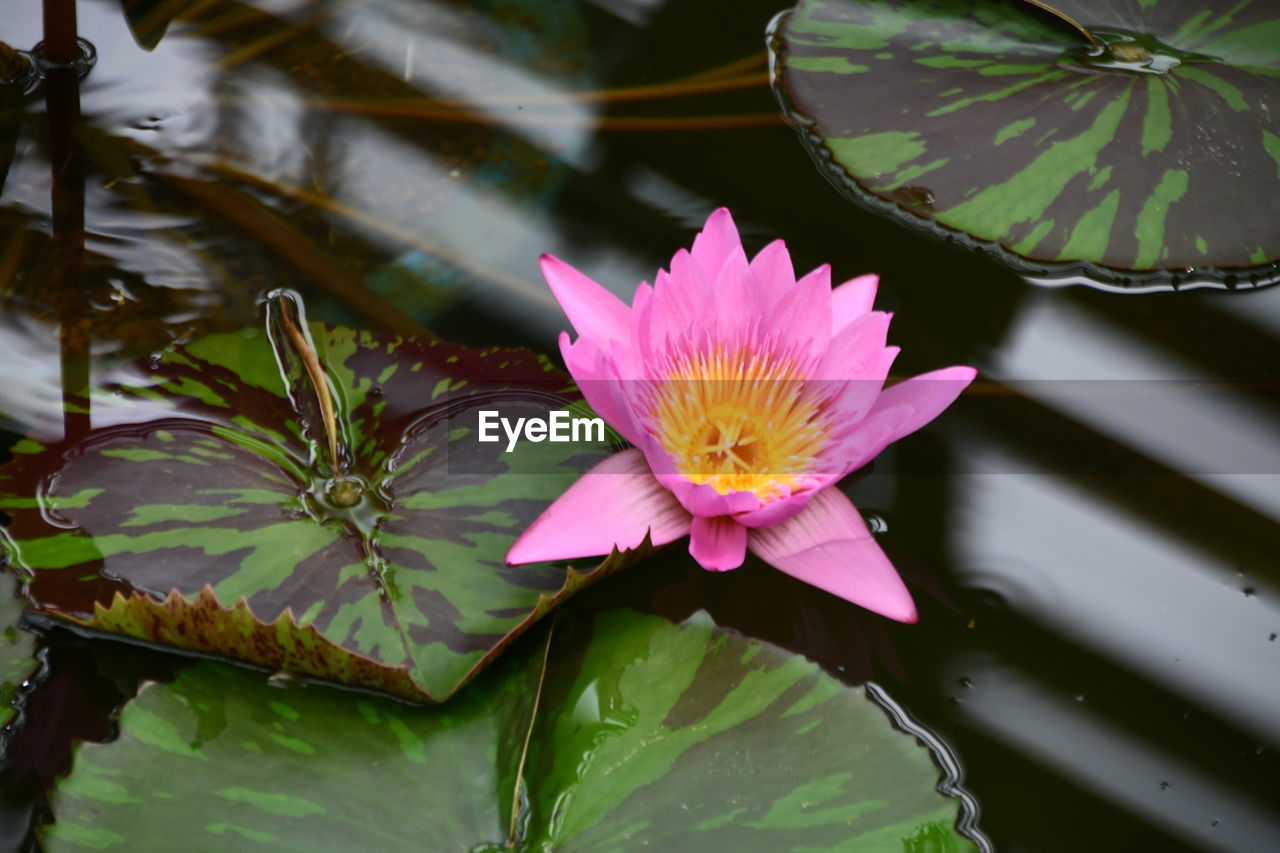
x: 1144, y: 396
x: 1084, y: 569
x: 1150, y: 780
x: 403, y: 164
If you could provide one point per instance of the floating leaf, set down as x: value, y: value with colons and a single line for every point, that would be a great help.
x: 17, y: 648
x: 998, y: 125
x: 625, y: 733
x: 387, y: 572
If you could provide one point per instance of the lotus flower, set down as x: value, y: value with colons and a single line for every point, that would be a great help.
x: 747, y: 395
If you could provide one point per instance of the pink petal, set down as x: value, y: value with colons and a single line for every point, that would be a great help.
x: 828, y: 545
x: 775, y: 512
x: 800, y: 318
x: 852, y: 299
x: 697, y: 499
x: 718, y: 544
x: 738, y: 307
x: 680, y: 311
x: 901, y: 410
x: 856, y: 348
x: 854, y: 399
x: 595, y: 313
x: 599, y: 384
x: 716, y: 242
x: 772, y: 270
x: 611, y: 506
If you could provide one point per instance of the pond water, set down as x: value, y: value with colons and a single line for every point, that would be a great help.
x: 1091, y: 533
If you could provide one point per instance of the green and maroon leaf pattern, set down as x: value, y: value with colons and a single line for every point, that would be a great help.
x: 223, y: 492
x: 625, y: 733
x: 996, y: 124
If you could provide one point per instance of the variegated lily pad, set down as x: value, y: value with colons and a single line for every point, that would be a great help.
x: 1152, y: 156
x: 216, y: 523
x: 624, y: 733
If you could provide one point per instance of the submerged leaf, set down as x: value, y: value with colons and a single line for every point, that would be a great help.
x: 391, y: 574
x: 644, y: 735
x: 996, y: 124
x: 17, y: 648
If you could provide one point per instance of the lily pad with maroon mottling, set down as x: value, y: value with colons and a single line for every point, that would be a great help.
x: 621, y: 732
x: 1153, y: 157
x: 209, y: 517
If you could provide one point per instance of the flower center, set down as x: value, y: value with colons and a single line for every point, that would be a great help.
x: 740, y: 423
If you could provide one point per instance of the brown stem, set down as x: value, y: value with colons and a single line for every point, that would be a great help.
x: 60, y: 32
x: 312, y: 362
x: 1062, y: 16
x: 66, y: 167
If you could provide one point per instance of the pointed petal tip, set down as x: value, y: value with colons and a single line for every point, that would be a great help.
x: 617, y: 504
x: 900, y: 609
x: 719, y: 218
x: 593, y: 311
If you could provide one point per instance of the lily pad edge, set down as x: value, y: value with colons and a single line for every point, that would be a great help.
x: 1037, y: 272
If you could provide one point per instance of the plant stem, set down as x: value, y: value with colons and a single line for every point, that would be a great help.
x: 66, y: 171
x: 314, y: 369
x: 1062, y: 16
x: 60, y: 32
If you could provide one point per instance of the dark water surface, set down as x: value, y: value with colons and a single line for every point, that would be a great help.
x: 1091, y: 533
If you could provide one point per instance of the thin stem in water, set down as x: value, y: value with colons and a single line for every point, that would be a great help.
x: 312, y: 362
x: 1062, y: 16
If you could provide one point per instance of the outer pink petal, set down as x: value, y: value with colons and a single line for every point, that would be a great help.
x: 852, y: 299
x: 716, y: 242
x: 856, y: 348
x: 901, y: 410
x: 611, y: 506
x: 828, y: 545
x: 596, y: 314
x: 599, y: 385
x: 718, y: 544
x: 854, y: 399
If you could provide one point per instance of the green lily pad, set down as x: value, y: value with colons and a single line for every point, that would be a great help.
x: 1154, y: 157
x: 17, y: 648
x: 620, y: 732
x: 215, y: 522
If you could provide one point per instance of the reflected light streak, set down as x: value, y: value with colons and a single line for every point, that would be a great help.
x: 1109, y: 581
x: 438, y: 64
x: 1228, y: 443
x: 1033, y: 720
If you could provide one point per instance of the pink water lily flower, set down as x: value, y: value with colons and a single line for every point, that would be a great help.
x: 747, y: 395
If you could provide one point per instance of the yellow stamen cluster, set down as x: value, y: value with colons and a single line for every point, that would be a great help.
x: 739, y: 422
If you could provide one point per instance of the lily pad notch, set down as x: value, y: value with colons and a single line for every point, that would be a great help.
x: 305, y: 498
